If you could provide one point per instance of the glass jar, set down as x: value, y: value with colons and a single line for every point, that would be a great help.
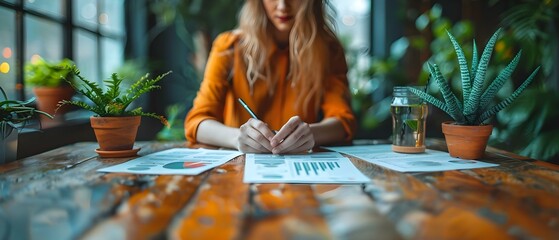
x: 409, y: 113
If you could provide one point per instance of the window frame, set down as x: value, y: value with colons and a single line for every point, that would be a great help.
x: 69, y: 28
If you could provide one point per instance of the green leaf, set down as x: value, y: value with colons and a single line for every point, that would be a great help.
x: 436, y: 11
x: 543, y: 146
x: 451, y: 100
x: 503, y: 104
x: 412, y: 123
x: 15, y: 112
x: 498, y: 83
x: 463, y: 64
x: 432, y: 100
x: 48, y: 74
x: 114, y: 102
x: 471, y: 104
x: 475, y: 61
x: 399, y: 47
x: 422, y: 22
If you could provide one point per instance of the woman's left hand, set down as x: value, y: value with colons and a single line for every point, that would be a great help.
x: 293, y: 137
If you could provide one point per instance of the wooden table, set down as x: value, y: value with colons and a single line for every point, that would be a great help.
x: 59, y: 195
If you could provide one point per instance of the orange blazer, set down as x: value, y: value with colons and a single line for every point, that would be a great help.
x: 218, y: 93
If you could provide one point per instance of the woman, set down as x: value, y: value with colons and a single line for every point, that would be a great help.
x: 285, y: 62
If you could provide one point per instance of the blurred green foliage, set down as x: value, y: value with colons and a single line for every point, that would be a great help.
x: 175, y: 130
x: 529, y: 126
x: 43, y: 73
x: 533, y: 25
x: 188, y: 16
x: 371, y: 82
x: 532, y: 123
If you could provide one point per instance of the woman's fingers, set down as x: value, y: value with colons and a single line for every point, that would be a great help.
x: 286, y: 130
x: 255, y: 137
x: 251, y: 146
x: 299, y: 147
x: 294, y: 137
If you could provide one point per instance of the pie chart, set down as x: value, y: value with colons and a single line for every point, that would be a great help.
x: 184, y: 165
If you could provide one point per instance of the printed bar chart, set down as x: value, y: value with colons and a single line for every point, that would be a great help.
x: 323, y: 167
x: 316, y: 167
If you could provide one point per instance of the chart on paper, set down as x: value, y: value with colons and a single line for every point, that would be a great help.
x: 325, y: 167
x: 429, y: 161
x: 179, y: 161
x: 316, y: 168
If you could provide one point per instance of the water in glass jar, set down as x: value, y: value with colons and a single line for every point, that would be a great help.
x: 408, y: 128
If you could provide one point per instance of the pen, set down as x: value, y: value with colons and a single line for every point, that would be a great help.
x: 252, y: 114
x: 248, y: 109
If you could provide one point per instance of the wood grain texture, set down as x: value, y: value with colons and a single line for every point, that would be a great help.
x: 352, y: 214
x: 285, y: 211
x: 218, y: 210
x: 60, y: 195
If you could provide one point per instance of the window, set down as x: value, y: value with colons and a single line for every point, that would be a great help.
x: 353, y: 23
x: 90, y: 32
x: 353, y: 19
x: 7, y: 45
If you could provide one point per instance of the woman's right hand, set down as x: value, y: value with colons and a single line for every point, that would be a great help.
x: 255, y: 137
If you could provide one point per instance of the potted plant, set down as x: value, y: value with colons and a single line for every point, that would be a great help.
x: 49, y: 83
x: 13, y: 116
x: 467, y: 136
x: 115, y: 125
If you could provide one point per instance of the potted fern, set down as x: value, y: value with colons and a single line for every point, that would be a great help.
x: 467, y: 136
x: 115, y: 125
x: 49, y: 83
x: 13, y: 116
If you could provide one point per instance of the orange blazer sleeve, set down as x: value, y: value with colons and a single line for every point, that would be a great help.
x: 210, y: 99
x: 337, y: 99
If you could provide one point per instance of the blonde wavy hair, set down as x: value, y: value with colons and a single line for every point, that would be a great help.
x: 309, y: 51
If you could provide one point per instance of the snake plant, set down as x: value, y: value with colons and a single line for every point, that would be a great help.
x: 114, y: 101
x: 475, y: 107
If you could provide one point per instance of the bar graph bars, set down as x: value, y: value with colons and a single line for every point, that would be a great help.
x: 309, y: 168
x: 319, y: 167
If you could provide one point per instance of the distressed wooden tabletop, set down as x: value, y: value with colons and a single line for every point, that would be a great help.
x: 59, y: 195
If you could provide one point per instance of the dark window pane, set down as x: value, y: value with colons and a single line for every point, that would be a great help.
x: 86, y: 53
x: 42, y: 38
x: 50, y: 7
x: 7, y: 51
x: 112, y: 17
x: 85, y: 13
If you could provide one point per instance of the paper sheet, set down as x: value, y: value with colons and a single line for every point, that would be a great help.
x: 323, y: 167
x: 179, y: 161
x: 430, y: 161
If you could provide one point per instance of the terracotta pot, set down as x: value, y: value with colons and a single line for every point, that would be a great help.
x: 466, y: 142
x: 115, y: 133
x: 48, y: 98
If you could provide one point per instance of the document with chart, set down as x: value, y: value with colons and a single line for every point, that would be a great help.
x: 429, y: 161
x: 175, y: 161
x: 323, y: 167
